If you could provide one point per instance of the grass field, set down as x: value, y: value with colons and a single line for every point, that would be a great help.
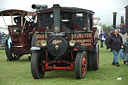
x: 19, y: 73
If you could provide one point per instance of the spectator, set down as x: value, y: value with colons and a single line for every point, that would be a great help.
x: 102, y: 38
x: 106, y: 36
x: 115, y: 43
x: 123, y: 34
x: 3, y: 35
x: 126, y: 51
x: 0, y: 38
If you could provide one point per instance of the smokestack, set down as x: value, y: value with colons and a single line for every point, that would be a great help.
x: 122, y: 19
x: 114, y: 19
x: 126, y: 18
x: 56, y: 12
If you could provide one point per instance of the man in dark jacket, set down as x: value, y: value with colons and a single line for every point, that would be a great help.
x: 115, y: 43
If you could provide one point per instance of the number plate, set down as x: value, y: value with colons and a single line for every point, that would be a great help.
x: 58, y: 34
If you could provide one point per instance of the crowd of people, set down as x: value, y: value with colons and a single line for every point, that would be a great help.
x: 117, y: 41
x: 2, y: 35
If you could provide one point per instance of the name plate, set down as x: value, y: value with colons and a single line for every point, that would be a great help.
x: 58, y: 34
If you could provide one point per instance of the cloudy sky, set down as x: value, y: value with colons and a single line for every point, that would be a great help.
x: 102, y: 8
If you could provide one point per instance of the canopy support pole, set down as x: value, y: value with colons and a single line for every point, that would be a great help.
x: 11, y: 18
x: 4, y: 20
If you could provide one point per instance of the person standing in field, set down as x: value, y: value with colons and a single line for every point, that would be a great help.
x: 126, y: 51
x: 3, y: 35
x: 102, y: 38
x: 115, y: 43
x: 0, y: 38
x: 123, y: 34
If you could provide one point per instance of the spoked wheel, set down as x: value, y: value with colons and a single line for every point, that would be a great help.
x: 9, y: 54
x: 37, y: 67
x: 16, y: 57
x: 80, y: 65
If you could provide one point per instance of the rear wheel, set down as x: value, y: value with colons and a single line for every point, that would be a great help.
x: 95, y: 58
x: 80, y: 64
x: 37, y: 67
x: 89, y: 60
x: 9, y: 54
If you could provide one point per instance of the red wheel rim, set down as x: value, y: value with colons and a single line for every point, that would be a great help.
x: 42, y: 67
x: 84, y: 66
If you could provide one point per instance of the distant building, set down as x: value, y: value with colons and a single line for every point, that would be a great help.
x: 5, y: 30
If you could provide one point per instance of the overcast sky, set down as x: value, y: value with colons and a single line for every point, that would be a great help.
x: 102, y: 8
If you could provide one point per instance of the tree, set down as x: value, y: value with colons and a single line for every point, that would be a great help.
x: 106, y: 28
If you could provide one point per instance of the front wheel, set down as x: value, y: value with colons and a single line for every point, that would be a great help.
x: 37, y: 67
x: 80, y: 64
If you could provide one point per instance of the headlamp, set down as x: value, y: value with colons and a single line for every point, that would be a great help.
x: 43, y: 42
x: 72, y: 42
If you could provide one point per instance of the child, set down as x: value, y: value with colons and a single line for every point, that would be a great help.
x: 126, y: 51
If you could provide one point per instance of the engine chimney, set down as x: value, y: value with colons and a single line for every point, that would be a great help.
x: 126, y: 18
x: 114, y: 19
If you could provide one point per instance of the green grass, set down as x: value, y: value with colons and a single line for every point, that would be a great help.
x: 19, y: 73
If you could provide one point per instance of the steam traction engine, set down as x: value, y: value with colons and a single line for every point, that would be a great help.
x: 18, y: 41
x: 65, y: 41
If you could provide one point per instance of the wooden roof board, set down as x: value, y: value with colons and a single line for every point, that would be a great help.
x: 13, y: 12
x: 71, y: 9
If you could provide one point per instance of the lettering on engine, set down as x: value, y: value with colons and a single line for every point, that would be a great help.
x: 56, y: 41
x: 58, y: 34
x: 84, y: 38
